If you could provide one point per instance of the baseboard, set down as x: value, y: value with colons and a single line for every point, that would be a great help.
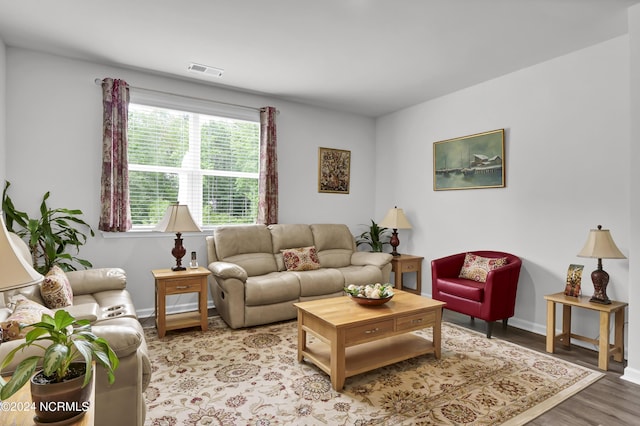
x: 632, y: 375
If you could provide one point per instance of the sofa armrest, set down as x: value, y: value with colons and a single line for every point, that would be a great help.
x: 362, y: 258
x: 95, y: 280
x: 227, y: 270
x: 83, y: 311
x: 123, y: 340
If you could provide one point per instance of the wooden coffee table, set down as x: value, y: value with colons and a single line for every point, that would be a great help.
x: 354, y: 338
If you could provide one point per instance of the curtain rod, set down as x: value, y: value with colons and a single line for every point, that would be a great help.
x: 98, y: 82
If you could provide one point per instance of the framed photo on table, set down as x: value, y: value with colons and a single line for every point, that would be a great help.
x: 574, y: 280
x: 334, y: 167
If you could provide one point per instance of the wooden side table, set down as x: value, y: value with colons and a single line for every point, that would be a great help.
x: 407, y: 263
x: 170, y: 282
x: 605, y: 350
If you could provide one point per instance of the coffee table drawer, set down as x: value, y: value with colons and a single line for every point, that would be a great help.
x: 368, y: 332
x: 416, y: 321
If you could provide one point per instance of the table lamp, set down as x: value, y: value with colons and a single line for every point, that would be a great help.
x: 16, y: 270
x: 178, y: 219
x: 600, y: 245
x: 395, y: 219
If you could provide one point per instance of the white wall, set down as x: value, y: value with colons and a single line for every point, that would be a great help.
x: 567, y: 170
x: 54, y: 123
x: 632, y: 371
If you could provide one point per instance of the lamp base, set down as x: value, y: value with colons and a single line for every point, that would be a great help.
x: 602, y: 302
x: 178, y: 252
x: 600, y: 279
x: 395, y: 242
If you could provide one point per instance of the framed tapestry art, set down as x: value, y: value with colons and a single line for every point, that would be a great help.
x: 333, y: 170
x: 469, y: 162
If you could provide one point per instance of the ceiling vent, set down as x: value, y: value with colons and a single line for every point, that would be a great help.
x: 205, y: 69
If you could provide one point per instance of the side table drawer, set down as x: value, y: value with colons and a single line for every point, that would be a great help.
x: 182, y: 286
x: 368, y: 332
x: 416, y: 321
x: 410, y: 266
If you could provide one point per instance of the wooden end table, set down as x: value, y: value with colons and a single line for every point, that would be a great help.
x: 354, y: 339
x: 168, y: 282
x: 407, y: 263
x: 605, y: 350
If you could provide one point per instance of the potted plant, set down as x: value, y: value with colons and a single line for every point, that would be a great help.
x: 67, y: 366
x: 49, y: 236
x: 374, y: 237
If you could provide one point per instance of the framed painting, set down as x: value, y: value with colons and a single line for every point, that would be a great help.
x: 469, y: 162
x: 334, y: 167
x: 574, y: 280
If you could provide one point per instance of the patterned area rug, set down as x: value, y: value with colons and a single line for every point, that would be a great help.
x: 252, y: 377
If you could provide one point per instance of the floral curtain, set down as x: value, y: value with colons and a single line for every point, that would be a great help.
x: 268, y: 180
x: 115, y: 212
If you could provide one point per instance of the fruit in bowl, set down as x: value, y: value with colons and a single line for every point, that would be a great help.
x: 370, y: 294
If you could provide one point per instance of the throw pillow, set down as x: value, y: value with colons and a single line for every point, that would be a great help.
x: 477, y: 267
x: 301, y: 259
x: 25, y: 312
x: 55, y: 289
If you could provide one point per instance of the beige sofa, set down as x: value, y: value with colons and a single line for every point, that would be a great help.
x: 100, y: 296
x: 251, y: 285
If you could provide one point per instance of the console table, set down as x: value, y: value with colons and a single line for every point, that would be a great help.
x: 605, y: 350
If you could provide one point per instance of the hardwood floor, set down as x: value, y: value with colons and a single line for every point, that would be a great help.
x: 610, y: 401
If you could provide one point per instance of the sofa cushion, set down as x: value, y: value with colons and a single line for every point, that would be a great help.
x: 91, y: 281
x: 301, y: 259
x: 286, y: 236
x: 55, y: 289
x: 248, y: 246
x: 462, y: 287
x: 271, y: 288
x: 334, y: 243
x: 25, y: 312
x: 362, y: 275
x: 320, y: 282
x: 477, y: 267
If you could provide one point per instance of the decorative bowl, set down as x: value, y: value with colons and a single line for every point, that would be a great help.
x: 370, y: 302
x: 362, y: 294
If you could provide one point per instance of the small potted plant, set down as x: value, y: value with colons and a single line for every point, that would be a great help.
x: 374, y: 237
x: 67, y: 366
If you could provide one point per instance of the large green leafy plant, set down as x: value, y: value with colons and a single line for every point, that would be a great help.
x: 51, y: 235
x: 71, y: 340
x: 375, y: 237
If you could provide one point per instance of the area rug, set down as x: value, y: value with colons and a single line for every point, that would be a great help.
x: 252, y: 377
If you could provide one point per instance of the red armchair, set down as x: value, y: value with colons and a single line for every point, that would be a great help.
x: 492, y: 300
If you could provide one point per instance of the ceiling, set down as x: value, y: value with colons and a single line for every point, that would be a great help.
x: 369, y: 57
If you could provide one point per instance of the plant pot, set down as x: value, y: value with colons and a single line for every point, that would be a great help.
x: 56, y: 402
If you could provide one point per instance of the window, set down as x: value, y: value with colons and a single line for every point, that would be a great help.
x: 183, y: 151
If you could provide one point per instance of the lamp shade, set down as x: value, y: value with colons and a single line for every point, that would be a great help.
x: 16, y: 270
x: 395, y: 219
x: 177, y: 219
x: 600, y: 245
